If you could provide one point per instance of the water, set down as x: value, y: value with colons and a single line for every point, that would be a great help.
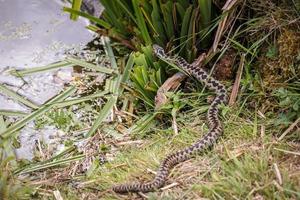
x: 36, y: 33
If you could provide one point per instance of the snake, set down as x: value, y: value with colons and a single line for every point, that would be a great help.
x: 208, y: 140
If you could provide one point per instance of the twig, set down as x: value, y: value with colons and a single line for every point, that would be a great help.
x: 57, y: 195
x: 289, y: 129
x: 143, y: 195
x: 219, y: 33
x: 129, y: 142
x: 277, y: 173
x: 170, y: 186
x: 262, y: 131
x: 286, y: 151
x: 228, y: 5
x: 174, y: 125
x: 173, y: 82
x: 170, y: 84
x: 221, y: 27
x: 151, y: 171
x: 237, y: 81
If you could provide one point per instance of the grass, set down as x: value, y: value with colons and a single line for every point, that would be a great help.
x: 241, y: 165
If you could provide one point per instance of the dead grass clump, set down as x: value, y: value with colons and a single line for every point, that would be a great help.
x: 289, y: 49
x: 280, y: 62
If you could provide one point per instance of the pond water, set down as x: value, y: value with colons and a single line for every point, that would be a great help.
x: 35, y: 33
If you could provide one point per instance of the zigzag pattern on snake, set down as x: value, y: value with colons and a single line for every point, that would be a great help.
x: 215, y: 127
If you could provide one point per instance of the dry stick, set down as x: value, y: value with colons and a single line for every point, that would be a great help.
x: 143, y: 195
x: 173, y: 82
x: 289, y: 129
x: 170, y: 186
x: 57, y: 195
x: 277, y: 173
x: 219, y: 33
x: 127, y: 143
x: 221, y: 27
x: 229, y: 4
x: 170, y: 84
x: 237, y: 82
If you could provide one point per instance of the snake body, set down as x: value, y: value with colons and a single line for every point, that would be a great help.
x: 215, y: 127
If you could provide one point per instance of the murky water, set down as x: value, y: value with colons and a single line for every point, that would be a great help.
x: 36, y: 33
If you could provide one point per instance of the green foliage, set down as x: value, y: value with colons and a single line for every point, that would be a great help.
x: 141, y: 22
x: 76, y: 5
x: 168, y: 23
x: 248, y: 177
x: 10, y: 187
x: 146, y: 76
x: 63, y: 119
x: 183, y: 26
x: 272, y: 52
x: 289, y: 103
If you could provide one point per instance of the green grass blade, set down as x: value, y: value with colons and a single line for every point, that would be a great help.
x: 51, y: 164
x: 126, y: 73
x: 160, y: 36
x: 205, y: 16
x: 66, y: 151
x: 191, y: 40
x: 205, y: 12
x: 167, y: 9
x: 71, y: 102
x: 109, y: 52
x: 12, y: 113
x: 181, y: 11
x: 147, y: 51
x: 33, y: 70
x: 185, y: 27
x: 141, y: 22
x: 76, y: 4
x: 17, y: 97
x: 89, y: 17
x: 102, y: 115
x: 46, y: 107
x: 127, y: 10
x: 143, y: 124
x: 114, y: 14
x: 90, y: 66
x: 2, y: 124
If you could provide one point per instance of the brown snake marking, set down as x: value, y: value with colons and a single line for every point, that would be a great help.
x: 215, y: 127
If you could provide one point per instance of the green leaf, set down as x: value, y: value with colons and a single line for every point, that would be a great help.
x: 141, y: 22
x: 89, y: 17
x: 185, y: 28
x: 76, y: 4
x: 102, y: 115
x: 272, y: 52
x: 127, y: 70
x: 159, y: 35
x: 81, y: 63
x: 41, y: 110
x: 167, y: 9
x: 33, y: 70
x: 17, y: 97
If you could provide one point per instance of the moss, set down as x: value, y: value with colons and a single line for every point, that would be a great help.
x: 280, y: 61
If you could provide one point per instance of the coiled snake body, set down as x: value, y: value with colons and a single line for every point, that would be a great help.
x: 215, y: 127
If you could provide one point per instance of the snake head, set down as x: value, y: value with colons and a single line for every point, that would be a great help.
x: 159, y: 51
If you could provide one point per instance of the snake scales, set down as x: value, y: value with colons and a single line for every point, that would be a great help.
x: 215, y: 127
